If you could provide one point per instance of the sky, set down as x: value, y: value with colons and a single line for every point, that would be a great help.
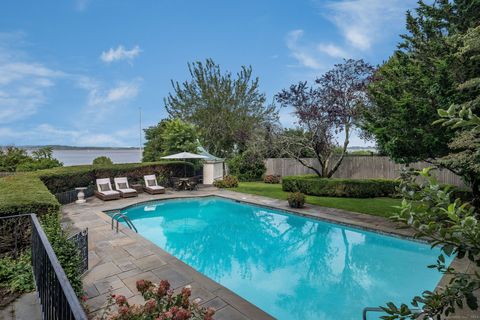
x: 78, y: 72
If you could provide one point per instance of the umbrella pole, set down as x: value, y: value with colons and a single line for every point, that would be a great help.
x: 184, y: 168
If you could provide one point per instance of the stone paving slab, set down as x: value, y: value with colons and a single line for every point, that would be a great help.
x: 118, y: 260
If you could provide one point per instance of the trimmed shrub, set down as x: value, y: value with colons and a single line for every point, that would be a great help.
x: 226, y: 182
x: 67, y: 178
x: 273, y: 179
x: 102, y: 161
x: 24, y: 193
x: 351, y: 188
x: 296, y: 200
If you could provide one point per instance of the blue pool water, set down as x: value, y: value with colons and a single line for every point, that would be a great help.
x: 290, y: 266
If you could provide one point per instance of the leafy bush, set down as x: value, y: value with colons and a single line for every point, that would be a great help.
x: 161, y: 303
x: 16, y: 274
x: 67, y: 178
x: 17, y: 159
x: 102, y: 161
x: 352, y: 188
x: 228, y: 181
x: 273, y: 179
x: 248, y: 166
x: 11, y: 157
x: 65, y: 250
x: 296, y: 200
x: 23, y: 193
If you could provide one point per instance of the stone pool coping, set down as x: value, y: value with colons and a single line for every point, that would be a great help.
x: 117, y: 260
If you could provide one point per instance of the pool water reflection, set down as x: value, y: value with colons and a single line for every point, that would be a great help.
x: 290, y: 266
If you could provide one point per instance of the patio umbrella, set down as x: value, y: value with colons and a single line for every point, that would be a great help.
x: 185, y: 156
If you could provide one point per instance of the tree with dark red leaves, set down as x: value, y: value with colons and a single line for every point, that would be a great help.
x: 324, y: 111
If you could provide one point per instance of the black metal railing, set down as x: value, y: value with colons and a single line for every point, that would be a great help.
x: 57, y: 298
x: 15, y: 235
x: 58, y: 301
x: 81, y: 241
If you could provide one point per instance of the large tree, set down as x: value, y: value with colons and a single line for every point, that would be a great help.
x: 417, y: 80
x: 324, y: 111
x: 169, y: 136
x: 226, y: 109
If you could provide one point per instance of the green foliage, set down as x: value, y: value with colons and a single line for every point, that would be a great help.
x: 11, y: 157
x: 296, y: 200
x: 225, y: 109
x: 169, y: 136
x: 24, y: 193
x: 153, y: 142
x: 421, y: 77
x: 65, y: 250
x: 16, y: 274
x: 228, y: 181
x: 332, y: 187
x: 67, y: 178
x: 451, y: 225
x: 179, y: 136
x: 270, y: 178
x: 16, y: 159
x: 102, y: 161
x: 248, y: 166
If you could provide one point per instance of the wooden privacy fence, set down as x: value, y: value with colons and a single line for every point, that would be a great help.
x: 356, y: 167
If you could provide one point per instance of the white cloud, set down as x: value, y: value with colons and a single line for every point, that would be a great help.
x: 363, y: 22
x: 23, y: 83
x: 118, y: 94
x: 332, y: 50
x: 301, y: 53
x: 120, y: 53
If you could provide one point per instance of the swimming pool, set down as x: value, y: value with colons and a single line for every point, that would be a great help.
x: 290, y: 266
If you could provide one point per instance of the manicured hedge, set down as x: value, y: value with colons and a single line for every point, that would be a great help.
x: 67, y: 178
x: 332, y: 187
x: 23, y: 193
x: 33, y: 192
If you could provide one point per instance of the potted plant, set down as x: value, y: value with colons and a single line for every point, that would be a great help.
x: 296, y: 200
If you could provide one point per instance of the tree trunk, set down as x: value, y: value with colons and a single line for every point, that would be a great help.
x: 344, y: 151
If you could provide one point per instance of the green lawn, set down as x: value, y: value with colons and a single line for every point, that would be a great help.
x: 375, y: 206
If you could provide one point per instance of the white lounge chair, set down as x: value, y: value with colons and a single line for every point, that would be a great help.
x: 104, y: 190
x: 121, y: 184
x: 151, y: 185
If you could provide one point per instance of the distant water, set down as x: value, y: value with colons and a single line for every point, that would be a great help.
x: 77, y: 157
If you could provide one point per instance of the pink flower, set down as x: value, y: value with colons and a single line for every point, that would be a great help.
x: 187, y: 291
x: 123, y: 310
x: 120, y: 300
x: 163, y: 288
x: 143, y: 285
x: 182, y: 314
x: 150, y: 305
